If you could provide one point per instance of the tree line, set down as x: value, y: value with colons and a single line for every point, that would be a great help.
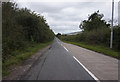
x: 95, y: 30
x: 21, y: 27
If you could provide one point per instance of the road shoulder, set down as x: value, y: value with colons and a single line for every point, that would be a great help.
x: 20, y: 70
x: 102, y: 66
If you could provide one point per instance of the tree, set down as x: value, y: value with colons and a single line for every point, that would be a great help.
x: 58, y: 34
x: 21, y: 27
x: 94, y: 22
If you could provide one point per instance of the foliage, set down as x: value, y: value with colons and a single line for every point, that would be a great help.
x: 58, y: 35
x: 21, y: 26
x: 116, y: 37
x: 98, y: 48
x: 69, y: 38
x: 94, y: 22
x: 98, y: 37
x: 96, y: 32
x: 18, y: 57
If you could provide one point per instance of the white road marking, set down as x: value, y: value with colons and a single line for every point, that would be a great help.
x: 86, y: 69
x: 66, y: 49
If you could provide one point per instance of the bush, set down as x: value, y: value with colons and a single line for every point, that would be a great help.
x: 99, y: 37
x: 116, y: 38
x: 22, y: 26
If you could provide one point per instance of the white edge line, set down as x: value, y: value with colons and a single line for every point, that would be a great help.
x: 86, y: 69
x: 65, y: 48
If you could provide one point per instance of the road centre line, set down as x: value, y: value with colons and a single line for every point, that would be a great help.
x: 95, y: 78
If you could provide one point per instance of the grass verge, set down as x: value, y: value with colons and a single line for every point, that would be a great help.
x: 19, y: 57
x: 98, y: 48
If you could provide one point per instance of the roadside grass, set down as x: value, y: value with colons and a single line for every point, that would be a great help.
x: 19, y: 57
x: 97, y: 48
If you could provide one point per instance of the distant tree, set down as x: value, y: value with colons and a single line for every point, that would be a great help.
x: 94, y: 22
x: 58, y: 34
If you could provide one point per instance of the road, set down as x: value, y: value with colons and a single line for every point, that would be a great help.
x: 57, y: 64
x: 102, y: 66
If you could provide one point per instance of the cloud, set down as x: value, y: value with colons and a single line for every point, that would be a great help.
x: 64, y: 0
x: 65, y: 17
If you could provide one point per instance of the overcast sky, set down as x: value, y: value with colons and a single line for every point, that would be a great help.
x: 65, y: 17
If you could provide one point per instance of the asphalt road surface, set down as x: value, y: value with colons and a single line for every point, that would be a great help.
x: 57, y: 64
x: 102, y: 66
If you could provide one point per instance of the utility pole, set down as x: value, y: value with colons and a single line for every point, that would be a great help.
x: 111, y: 39
x: 0, y: 40
x: 119, y: 13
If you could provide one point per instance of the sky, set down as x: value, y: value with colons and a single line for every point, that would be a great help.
x: 65, y: 16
